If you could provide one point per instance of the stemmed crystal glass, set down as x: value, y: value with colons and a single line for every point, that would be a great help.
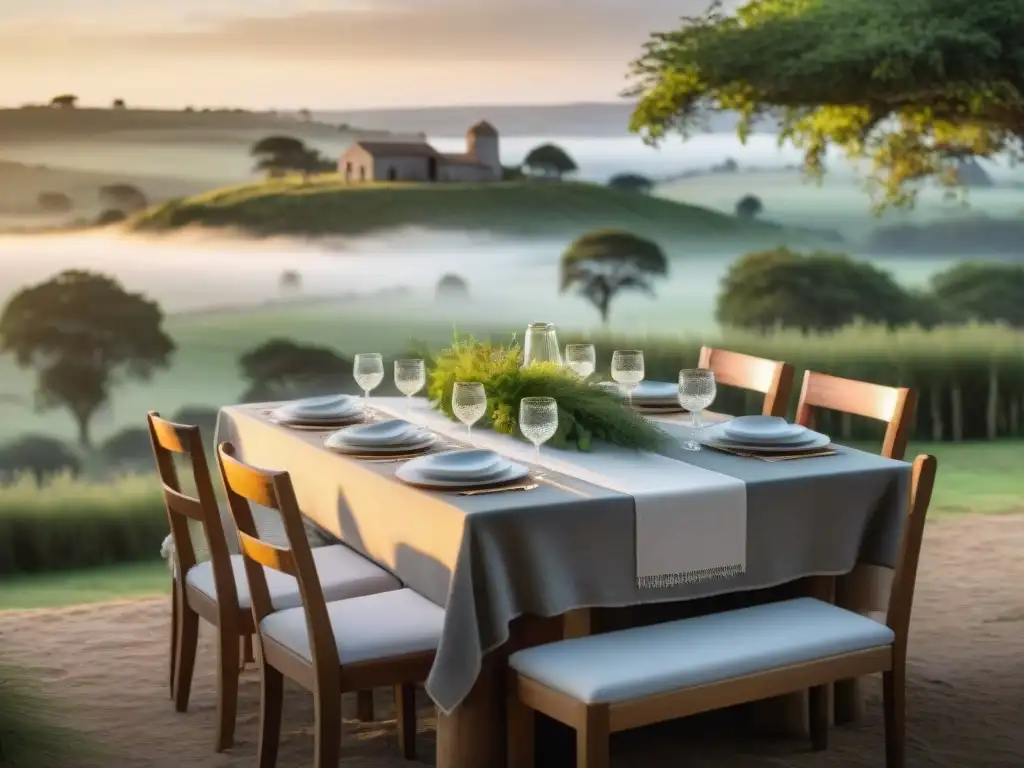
x: 410, y: 378
x: 469, y: 402
x: 368, y: 371
x: 697, y: 391
x: 538, y: 421
x: 581, y: 359
x: 628, y: 370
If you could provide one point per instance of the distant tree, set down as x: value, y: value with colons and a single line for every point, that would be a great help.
x: 451, y: 286
x: 190, y: 109
x: 631, y: 182
x: 110, y: 216
x: 118, y: 104
x: 202, y: 416
x: 129, y: 446
x: 54, y: 202
x: 814, y: 292
x: 305, y: 115
x: 549, y: 160
x: 603, y: 263
x: 290, y: 280
x: 279, y: 155
x: 123, y: 197
x: 64, y: 101
x: 40, y: 455
x: 82, y: 332
x: 512, y: 173
x: 986, y: 292
x: 281, y: 368
x: 749, y: 207
x: 726, y: 166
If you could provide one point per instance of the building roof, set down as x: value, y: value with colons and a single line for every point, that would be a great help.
x: 483, y: 128
x: 398, y: 148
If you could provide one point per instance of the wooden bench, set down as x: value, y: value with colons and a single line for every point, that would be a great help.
x: 627, y: 679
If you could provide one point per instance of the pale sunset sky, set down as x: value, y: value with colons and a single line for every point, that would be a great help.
x: 324, y: 54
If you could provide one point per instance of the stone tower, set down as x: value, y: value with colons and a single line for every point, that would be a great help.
x: 482, y: 143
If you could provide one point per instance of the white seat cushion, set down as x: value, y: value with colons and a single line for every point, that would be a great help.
x: 645, y: 661
x: 365, y: 628
x: 343, y: 573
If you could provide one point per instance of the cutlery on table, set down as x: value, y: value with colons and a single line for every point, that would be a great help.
x: 502, y: 489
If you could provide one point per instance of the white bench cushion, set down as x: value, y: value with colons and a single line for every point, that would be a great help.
x: 645, y: 661
x: 343, y: 573
x: 365, y: 628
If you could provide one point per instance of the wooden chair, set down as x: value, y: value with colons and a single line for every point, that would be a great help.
x: 893, y: 405
x: 329, y: 648
x: 757, y: 374
x: 216, y: 590
x: 623, y: 680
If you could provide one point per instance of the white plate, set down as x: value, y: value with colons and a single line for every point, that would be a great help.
x: 408, y: 473
x: 318, y: 426
x: 318, y: 408
x: 471, y: 464
x: 763, y: 429
x: 334, y: 443
x: 654, y: 410
x: 390, y: 432
x: 715, y: 435
x: 660, y: 391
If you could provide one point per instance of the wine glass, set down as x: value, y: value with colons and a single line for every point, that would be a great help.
x: 696, y: 392
x: 538, y: 421
x: 469, y: 402
x: 368, y: 371
x: 628, y: 370
x: 410, y: 378
x: 581, y: 358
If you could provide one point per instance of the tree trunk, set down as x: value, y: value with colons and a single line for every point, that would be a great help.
x: 604, y: 307
x: 84, y: 435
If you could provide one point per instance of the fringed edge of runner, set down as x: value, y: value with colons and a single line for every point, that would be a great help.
x: 689, y: 577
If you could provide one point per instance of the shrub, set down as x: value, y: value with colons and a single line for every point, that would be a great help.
x: 68, y: 524
x: 130, y: 446
x: 749, y: 207
x: 202, y: 416
x: 54, y: 202
x: 451, y: 286
x: 110, y: 216
x: 40, y: 456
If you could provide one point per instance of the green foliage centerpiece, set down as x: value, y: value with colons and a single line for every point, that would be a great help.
x: 585, y: 412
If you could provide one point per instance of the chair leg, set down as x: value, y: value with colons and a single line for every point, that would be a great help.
x: 405, y: 716
x: 271, y: 703
x: 521, y: 721
x: 173, y: 655
x: 364, y: 706
x: 185, y: 653
x: 248, y: 655
x: 227, y: 687
x: 817, y: 700
x: 894, y: 692
x: 327, y: 729
x: 593, y: 740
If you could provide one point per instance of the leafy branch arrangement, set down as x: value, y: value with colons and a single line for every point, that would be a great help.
x: 585, y: 413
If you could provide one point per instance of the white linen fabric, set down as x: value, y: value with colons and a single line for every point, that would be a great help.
x: 691, y: 523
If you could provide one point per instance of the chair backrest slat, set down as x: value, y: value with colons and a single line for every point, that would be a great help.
x: 901, y: 598
x: 167, y: 439
x: 773, y: 378
x: 893, y: 405
x: 245, y: 484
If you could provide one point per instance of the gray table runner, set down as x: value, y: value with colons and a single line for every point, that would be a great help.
x: 491, y: 558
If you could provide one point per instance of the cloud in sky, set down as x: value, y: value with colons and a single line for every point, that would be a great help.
x: 589, y: 42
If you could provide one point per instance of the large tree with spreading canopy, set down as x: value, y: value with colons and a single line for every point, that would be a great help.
x: 910, y: 86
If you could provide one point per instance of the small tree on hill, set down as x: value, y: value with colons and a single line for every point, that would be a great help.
x: 631, y: 182
x: 123, y: 197
x: 605, y: 262
x: 118, y: 104
x: 290, y: 280
x: 281, y: 368
x: 749, y: 207
x: 279, y: 155
x: 549, y: 160
x: 80, y: 332
x: 982, y: 292
x: 54, y: 202
x: 451, y: 286
x: 64, y: 101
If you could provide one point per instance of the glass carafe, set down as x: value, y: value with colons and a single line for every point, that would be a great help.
x: 541, y: 345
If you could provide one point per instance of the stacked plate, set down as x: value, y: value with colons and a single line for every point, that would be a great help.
x: 461, y: 470
x: 382, y: 438
x: 656, y: 397
x: 319, y: 412
x: 764, y: 434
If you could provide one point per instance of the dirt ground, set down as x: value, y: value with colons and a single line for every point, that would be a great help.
x: 965, y: 693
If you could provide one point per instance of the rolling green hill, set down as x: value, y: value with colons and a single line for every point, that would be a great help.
x: 328, y: 206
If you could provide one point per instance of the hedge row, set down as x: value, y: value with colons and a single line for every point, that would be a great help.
x: 969, y: 379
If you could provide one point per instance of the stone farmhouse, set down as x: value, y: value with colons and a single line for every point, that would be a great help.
x: 418, y: 161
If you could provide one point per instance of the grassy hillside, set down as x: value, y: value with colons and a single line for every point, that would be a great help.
x: 330, y: 206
